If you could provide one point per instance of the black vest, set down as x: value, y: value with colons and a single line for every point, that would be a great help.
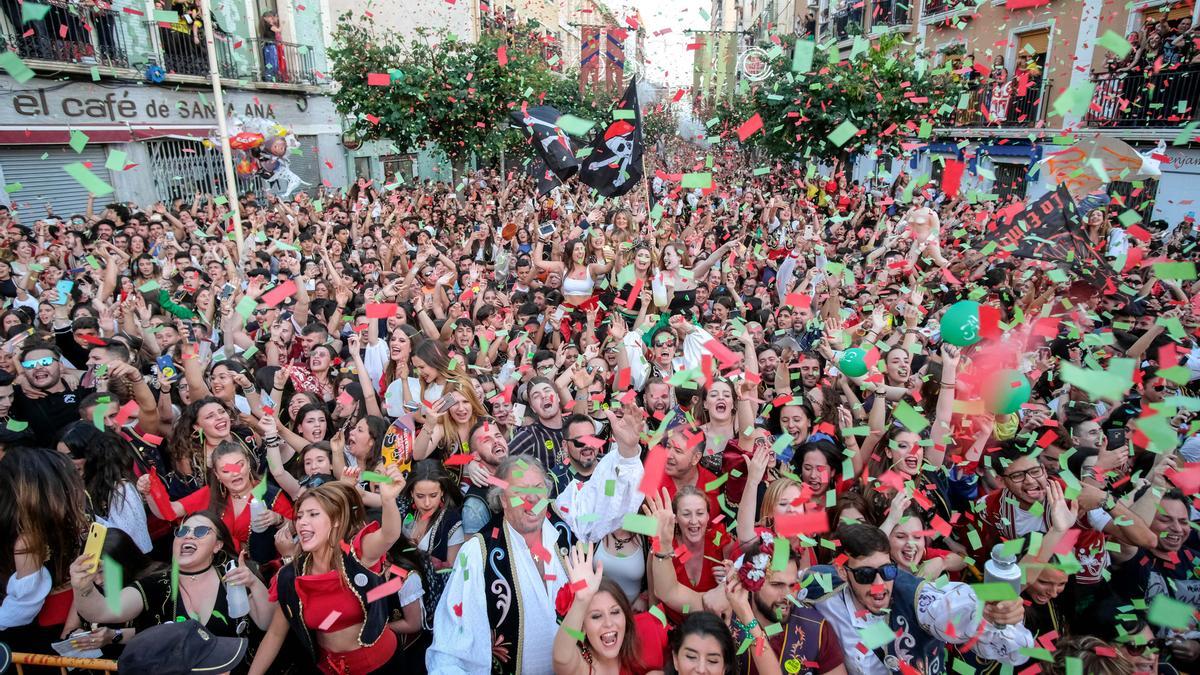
x: 377, y: 614
x: 504, y: 591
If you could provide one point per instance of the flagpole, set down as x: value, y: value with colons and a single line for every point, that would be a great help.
x: 214, y: 75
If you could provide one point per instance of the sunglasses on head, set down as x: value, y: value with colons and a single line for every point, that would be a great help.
x: 866, y: 575
x: 199, y: 531
x: 38, y: 363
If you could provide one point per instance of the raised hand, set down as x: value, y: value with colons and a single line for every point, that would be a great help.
x: 759, y: 462
x: 659, y: 507
x: 583, y: 567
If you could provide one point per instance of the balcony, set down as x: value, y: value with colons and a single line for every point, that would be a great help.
x: 183, y: 55
x: 994, y: 106
x: 891, y: 14
x: 73, y: 38
x: 75, y: 34
x: 1138, y: 99
x: 848, y: 21
x: 284, y: 62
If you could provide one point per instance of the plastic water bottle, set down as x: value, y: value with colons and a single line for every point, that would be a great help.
x: 236, y: 597
x: 1002, y: 568
x: 257, y: 508
x: 658, y: 289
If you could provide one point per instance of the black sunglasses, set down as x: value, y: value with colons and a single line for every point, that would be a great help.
x: 866, y: 575
x: 199, y: 531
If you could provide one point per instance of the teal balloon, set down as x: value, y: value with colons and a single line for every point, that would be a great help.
x: 853, y: 362
x: 960, y: 323
x: 1007, y: 393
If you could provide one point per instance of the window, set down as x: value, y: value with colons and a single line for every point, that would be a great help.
x: 1010, y: 179
x: 397, y: 167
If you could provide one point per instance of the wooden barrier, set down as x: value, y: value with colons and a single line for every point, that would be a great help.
x: 61, y: 662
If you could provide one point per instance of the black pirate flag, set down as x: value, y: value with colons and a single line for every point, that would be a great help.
x: 614, y: 165
x: 540, y: 124
x: 546, y: 180
x: 1049, y: 229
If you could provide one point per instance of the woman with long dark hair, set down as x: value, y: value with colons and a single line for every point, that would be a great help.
x: 43, y: 517
x: 434, y: 500
x: 701, y: 645
x: 600, y: 613
x: 202, y: 426
x: 106, y: 462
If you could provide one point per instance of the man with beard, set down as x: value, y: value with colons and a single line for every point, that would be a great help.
x: 543, y: 439
x: 44, y: 397
x: 497, y: 612
x: 656, y: 396
x: 808, y: 643
x: 583, y: 452
x: 489, y: 447
x: 869, y: 588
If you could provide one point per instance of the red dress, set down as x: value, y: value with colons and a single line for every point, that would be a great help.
x: 715, y: 538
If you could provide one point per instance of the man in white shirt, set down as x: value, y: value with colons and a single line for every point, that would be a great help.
x: 499, y: 600
x: 868, y: 588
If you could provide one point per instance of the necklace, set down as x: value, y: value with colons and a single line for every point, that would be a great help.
x: 619, y: 543
x: 197, y: 573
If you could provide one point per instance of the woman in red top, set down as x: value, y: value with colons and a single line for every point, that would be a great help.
x: 325, y: 593
x: 231, y: 483
x: 705, y: 545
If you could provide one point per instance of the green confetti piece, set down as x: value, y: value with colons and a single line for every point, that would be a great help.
x: 780, y: 553
x: 844, y: 132
x: 640, y: 523
x: 1111, y: 384
x: 373, y: 477
x: 86, y: 178
x: 166, y: 16
x: 802, y: 56
x: 575, y: 126
x: 116, y: 160
x: 16, y: 425
x: 174, y: 578
x: 31, y: 11
x: 910, y: 418
x: 1075, y: 100
x: 696, y: 180
x: 994, y: 592
x: 1170, y: 613
x: 1175, y: 271
x: 13, y: 187
x: 620, y: 114
x: 113, y: 584
x: 79, y: 140
x: 15, y: 67
x: 246, y: 306
x: 1114, y: 43
x: 716, y: 483
x: 610, y: 487
x: 876, y: 634
x: 576, y: 635
x: 1074, y: 665
x: 658, y: 614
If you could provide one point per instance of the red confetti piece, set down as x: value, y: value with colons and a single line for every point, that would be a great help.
x: 749, y: 127
x: 385, y: 589
x: 378, y: 79
x: 502, y: 55
x: 380, y: 310
x: 280, y: 293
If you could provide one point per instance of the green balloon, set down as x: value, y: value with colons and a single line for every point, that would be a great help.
x: 1007, y: 393
x: 960, y: 323
x: 853, y: 362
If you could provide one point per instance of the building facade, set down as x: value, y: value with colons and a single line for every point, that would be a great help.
x: 1027, y: 56
x: 129, y: 85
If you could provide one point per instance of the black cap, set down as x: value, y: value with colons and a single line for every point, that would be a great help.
x: 180, y: 648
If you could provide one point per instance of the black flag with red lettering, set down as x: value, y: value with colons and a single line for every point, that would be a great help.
x: 614, y: 165
x: 540, y: 125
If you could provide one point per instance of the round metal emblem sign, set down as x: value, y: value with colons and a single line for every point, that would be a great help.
x: 754, y: 64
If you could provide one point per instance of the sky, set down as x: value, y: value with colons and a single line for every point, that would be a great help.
x: 669, y: 60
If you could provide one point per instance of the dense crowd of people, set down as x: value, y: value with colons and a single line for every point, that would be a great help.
x: 471, y: 429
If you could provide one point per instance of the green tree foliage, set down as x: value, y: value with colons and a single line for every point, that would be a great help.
x: 881, y: 87
x: 659, y: 122
x: 443, y: 90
